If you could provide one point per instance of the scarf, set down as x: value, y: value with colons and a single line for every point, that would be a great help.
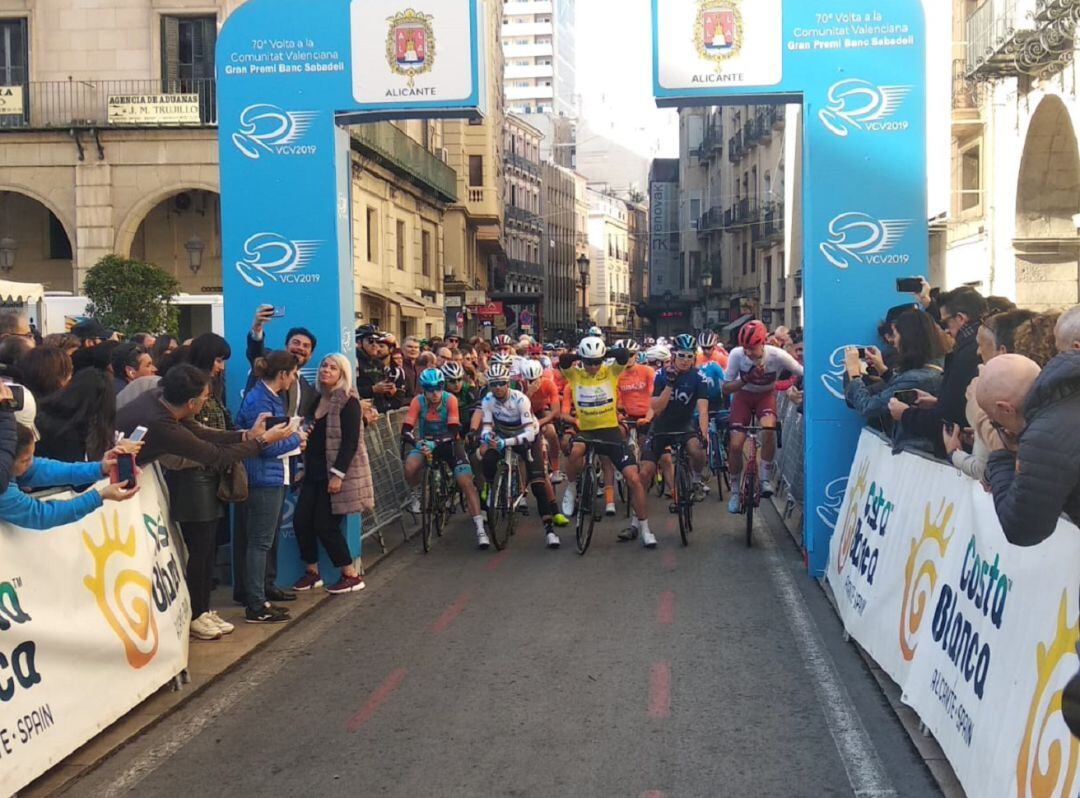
x: 339, y: 396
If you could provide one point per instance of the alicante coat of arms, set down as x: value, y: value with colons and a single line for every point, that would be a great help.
x: 410, y: 44
x: 718, y: 29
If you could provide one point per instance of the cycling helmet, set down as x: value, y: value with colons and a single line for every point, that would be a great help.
x: 531, y: 370
x: 658, y: 354
x: 498, y: 372
x: 631, y: 345
x: 502, y: 360
x: 432, y: 380
x: 685, y: 343
x: 707, y: 339
x: 649, y: 342
x: 592, y: 348
x: 560, y: 343
x: 642, y: 357
x: 502, y: 340
x: 549, y: 347
x: 752, y: 334
x: 452, y: 371
x: 595, y: 331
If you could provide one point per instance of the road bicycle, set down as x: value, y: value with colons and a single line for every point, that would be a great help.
x: 682, y: 492
x: 635, y: 449
x: 503, y: 498
x: 588, y: 508
x: 750, y: 485
x: 439, y: 492
x: 718, y: 444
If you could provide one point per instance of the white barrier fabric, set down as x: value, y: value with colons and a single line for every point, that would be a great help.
x: 980, y: 634
x: 93, y: 619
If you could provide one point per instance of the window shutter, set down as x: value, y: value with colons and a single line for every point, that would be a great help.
x: 205, y: 44
x: 170, y: 54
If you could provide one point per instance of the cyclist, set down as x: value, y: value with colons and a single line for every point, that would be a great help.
x: 658, y: 357
x: 434, y: 416
x: 752, y: 373
x: 508, y: 420
x: 681, y: 405
x: 713, y: 374
x: 711, y: 349
x: 545, y: 401
x: 593, y: 389
x: 635, y: 388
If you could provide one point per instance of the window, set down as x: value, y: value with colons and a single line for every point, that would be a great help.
x: 187, y: 51
x: 400, y: 245
x: 13, y: 58
x: 695, y: 212
x: 745, y: 259
x: 59, y: 244
x: 476, y: 170
x: 371, y: 230
x: 970, y: 178
x: 425, y: 253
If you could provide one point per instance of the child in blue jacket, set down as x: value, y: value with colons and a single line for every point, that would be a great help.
x: 22, y: 510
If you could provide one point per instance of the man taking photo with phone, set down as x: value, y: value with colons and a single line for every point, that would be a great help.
x: 299, y: 342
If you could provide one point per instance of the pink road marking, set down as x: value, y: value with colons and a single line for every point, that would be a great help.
x: 652, y: 794
x: 450, y: 613
x: 385, y: 690
x: 671, y: 524
x: 669, y: 559
x: 660, y: 690
x: 665, y: 610
x: 497, y: 560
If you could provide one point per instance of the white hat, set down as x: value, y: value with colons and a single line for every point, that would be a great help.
x: 28, y: 414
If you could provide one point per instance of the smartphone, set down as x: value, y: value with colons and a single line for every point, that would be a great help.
x: 275, y: 421
x: 137, y: 434
x: 17, y: 400
x: 909, y: 285
x: 125, y: 470
x: 279, y: 313
x: 907, y: 397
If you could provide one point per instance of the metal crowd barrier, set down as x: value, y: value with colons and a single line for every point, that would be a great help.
x: 790, y: 468
x: 383, y: 440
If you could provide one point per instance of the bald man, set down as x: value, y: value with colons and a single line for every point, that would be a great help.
x: 1067, y: 330
x: 1036, y: 477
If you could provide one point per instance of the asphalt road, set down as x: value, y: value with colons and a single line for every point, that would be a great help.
x: 714, y: 670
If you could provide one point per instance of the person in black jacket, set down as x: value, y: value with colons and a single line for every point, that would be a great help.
x: 962, y: 311
x: 371, y: 376
x: 1035, y: 477
x: 299, y: 342
x: 8, y: 437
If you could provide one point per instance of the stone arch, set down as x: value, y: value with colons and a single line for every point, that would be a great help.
x: 125, y: 233
x: 30, y: 228
x: 1047, y: 203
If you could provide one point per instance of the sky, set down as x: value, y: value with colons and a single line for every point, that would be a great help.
x: 616, y: 90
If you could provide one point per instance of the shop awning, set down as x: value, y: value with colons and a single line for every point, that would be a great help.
x: 739, y: 322
x: 28, y: 293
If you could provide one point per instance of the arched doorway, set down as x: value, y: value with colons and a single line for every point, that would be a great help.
x: 182, y: 235
x: 1047, y: 203
x: 34, y: 244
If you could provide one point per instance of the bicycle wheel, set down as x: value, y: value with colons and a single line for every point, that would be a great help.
x: 684, y: 499
x: 448, y: 493
x: 428, y: 508
x: 749, y: 503
x: 586, y: 520
x: 500, y: 512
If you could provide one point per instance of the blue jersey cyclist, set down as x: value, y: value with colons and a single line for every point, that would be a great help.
x: 431, y: 430
x: 681, y: 408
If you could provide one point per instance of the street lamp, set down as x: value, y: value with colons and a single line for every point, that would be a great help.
x: 8, y: 248
x: 194, y: 248
x: 583, y: 273
x: 706, y: 281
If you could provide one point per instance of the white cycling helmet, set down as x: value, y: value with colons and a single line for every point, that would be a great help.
x: 592, y: 348
x: 531, y: 370
x: 658, y: 354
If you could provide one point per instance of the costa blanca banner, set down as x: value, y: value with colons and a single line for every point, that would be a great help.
x: 93, y: 619
x: 980, y: 634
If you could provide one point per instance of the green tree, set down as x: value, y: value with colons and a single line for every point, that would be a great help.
x: 132, y: 296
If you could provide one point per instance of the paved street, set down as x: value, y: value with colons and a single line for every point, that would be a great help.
x: 708, y: 671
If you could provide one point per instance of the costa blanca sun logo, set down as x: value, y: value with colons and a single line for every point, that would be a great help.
x: 855, y: 495
x: 275, y: 258
x: 856, y: 238
x: 1049, y: 755
x: 856, y: 104
x: 718, y: 30
x: 123, y: 594
x: 920, y: 575
x: 410, y: 44
x: 267, y: 129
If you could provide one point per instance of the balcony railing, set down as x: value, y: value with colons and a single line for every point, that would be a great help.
x: 735, y: 147
x: 769, y: 226
x: 85, y: 104
x: 523, y: 163
x: 991, y: 30
x: 400, y: 154
x: 763, y: 123
x: 964, y: 96
x: 522, y: 216
x: 713, y: 140
x: 712, y: 221
x: 1005, y: 40
x: 751, y: 132
x: 527, y: 268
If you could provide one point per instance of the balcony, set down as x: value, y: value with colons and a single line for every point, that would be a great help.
x: 768, y: 229
x: 745, y: 212
x: 751, y: 133
x: 712, y: 141
x: 521, y: 216
x: 764, y: 124
x: 102, y: 104
x: 619, y: 298
x: 526, y: 268
x: 523, y: 163
x: 964, y: 94
x: 991, y: 32
x: 1006, y: 39
x: 735, y: 148
x: 712, y: 221
x: 394, y: 150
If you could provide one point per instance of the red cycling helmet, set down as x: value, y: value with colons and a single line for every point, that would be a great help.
x: 752, y: 334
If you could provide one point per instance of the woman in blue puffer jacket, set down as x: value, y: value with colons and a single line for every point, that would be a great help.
x: 267, y: 479
x: 920, y: 349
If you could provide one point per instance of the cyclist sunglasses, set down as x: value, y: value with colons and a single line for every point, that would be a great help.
x: 499, y: 384
x: 590, y: 361
x: 683, y: 355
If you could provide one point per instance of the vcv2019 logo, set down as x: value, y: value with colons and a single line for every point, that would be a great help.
x: 270, y: 256
x: 855, y: 104
x: 856, y: 238
x: 272, y: 130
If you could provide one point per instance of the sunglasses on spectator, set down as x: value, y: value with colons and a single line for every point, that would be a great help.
x: 593, y: 361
